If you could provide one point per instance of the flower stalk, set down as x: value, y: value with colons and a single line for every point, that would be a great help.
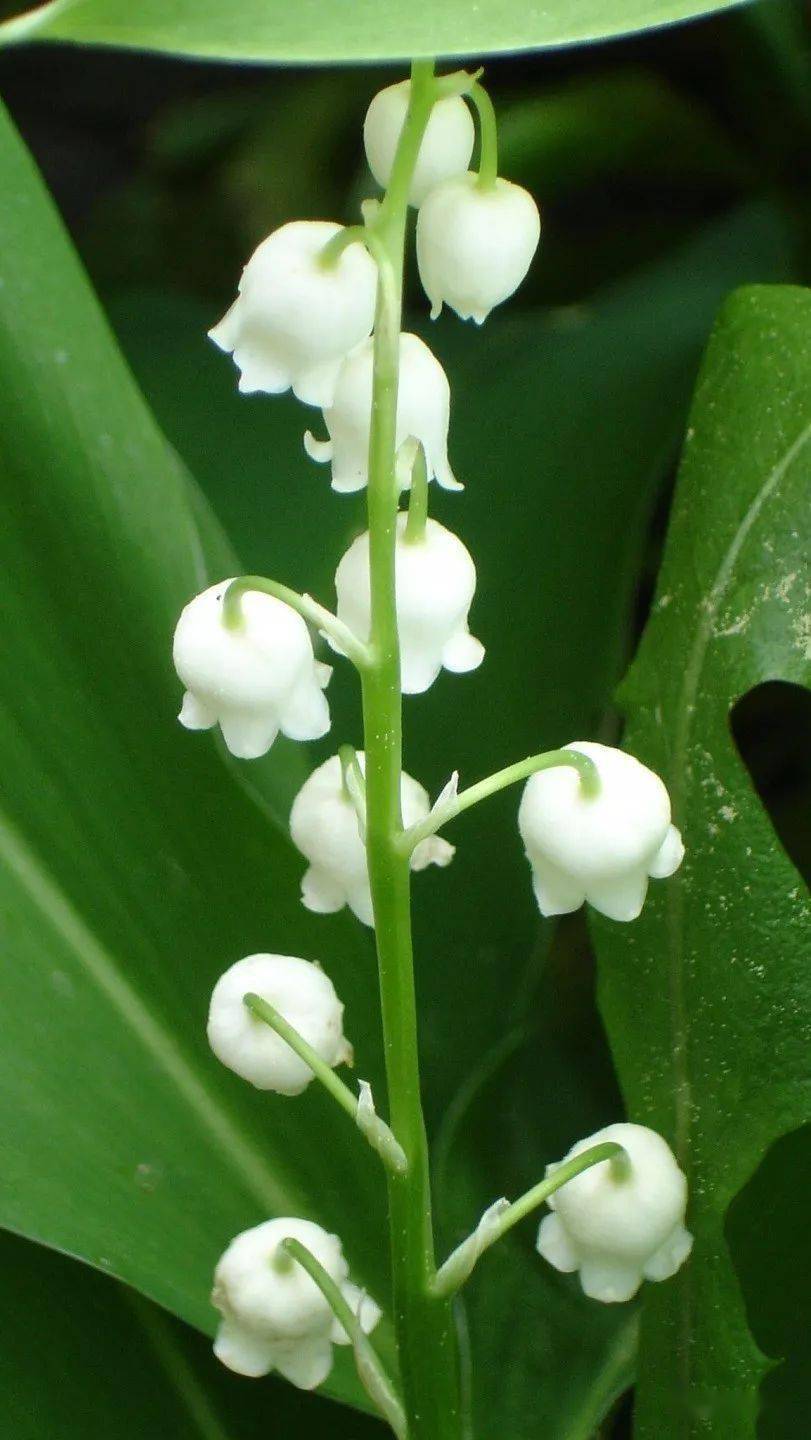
x: 453, y: 803
x: 373, y: 1376
x: 502, y: 1216
x: 423, y: 1322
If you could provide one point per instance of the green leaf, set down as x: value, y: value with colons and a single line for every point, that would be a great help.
x: 134, y: 868
x: 83, y: 1355
x: 707, y: 997
x: 318, y: 30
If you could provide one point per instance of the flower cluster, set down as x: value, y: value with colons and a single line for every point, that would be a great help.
x: 596, y: 823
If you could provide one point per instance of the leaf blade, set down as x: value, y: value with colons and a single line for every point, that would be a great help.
x: 729, y: 614
x: 359, y: 30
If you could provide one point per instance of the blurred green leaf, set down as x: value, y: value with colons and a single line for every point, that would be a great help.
x: 707, y: 997
x: 316, y: 30
x: 134, y: 868
x: 83, y: 1356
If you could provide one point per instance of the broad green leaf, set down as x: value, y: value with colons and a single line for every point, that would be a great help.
x: 318, y: 30
x: 708, y: 997
x: 134, y: 868
x: 83, y: 1355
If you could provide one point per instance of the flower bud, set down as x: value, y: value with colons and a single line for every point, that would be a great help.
x: 601, y: 848
x: 295, y: 318
x: 619, y: 1222
x: 274, y: 1315
x: 324, y: 826
x: 423, y: 413
x: 446, y: 146
x: 435, y: 584
x: 255, y: 680
x: 475, y: 244
x: 303, y: 995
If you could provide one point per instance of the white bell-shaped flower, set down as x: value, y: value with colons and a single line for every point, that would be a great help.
x: 435, y: 584
x: 446, y: 147
x: 255, y: 680
x: 303, y: 995
x: 475, y: 244
x: 325, y: 828
x: 619, y: 1223
x: 423, y: 413
x: 295, y: 318
x: 602, y: 848
x: 274, y: 1316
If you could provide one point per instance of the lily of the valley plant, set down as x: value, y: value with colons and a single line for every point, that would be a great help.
x: 319, y: 311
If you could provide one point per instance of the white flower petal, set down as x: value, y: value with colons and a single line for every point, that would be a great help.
x: 306, y: 1364
x: 670, y: 1258
x: 321, y: 894
x: 668, y: 857
x: 555, y: 1246
x: 621, y: 898
x: 610, y: 1281
x: 194, y: 715
x: 248, y: 737
x: 462, y: 653
x: 243, y: 1350
x: 555, y: 891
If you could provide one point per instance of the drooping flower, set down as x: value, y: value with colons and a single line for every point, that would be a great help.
x: 324, y: 826
x: 435, y: 584
x: 601, y: 848
x: 423, y: 414
x: 446, y: 147
x: 296, y: 318
x: 253, y: 681
x: 303, y: 995
x: 619, y: 1224
x: 475, y: 244
x: 274, y: 1317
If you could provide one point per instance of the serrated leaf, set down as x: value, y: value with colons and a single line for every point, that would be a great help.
x: 708, y: 996
x: 318, y: 30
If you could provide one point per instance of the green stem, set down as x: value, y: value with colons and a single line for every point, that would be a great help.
x: 510, y: 775
x: 488, y: 136
x: 417, y: 500
x: 376, y: 1381
x: 323, y: 620
x: 501, y: 1217
x: 424, y: 1328
x: 376, y: 1130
